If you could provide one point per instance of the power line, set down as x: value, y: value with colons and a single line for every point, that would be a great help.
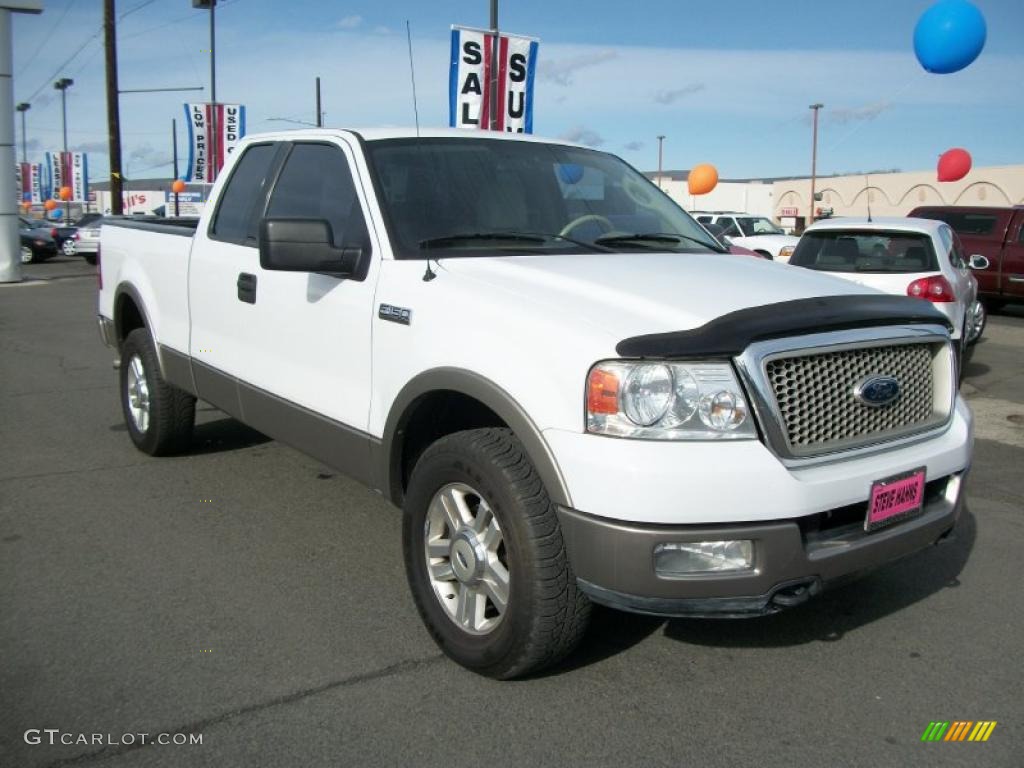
x: 46, y: 38
x: 59, y: 69
x: 138, y: 7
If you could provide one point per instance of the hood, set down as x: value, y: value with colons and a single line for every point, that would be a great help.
x: 629, y: 294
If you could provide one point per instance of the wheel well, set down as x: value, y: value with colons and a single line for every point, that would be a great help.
x: 427, y: 419
x: 766, y: 254
x: 127, y: 317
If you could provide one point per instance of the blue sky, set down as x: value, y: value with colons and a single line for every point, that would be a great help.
x: 726, y: 82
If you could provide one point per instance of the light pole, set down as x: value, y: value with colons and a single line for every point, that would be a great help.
x: 212, y: 165
x: 23, y: 107
x: 62, y: 85
x: 495, y: 53
x: 661, y: 141
x: 814, y: 161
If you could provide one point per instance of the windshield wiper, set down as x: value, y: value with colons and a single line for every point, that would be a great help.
x: 443, y: 240
x: 521, y: 237
x: 654, y: 237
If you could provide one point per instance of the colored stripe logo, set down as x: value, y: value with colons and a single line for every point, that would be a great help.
x: 959, y: 730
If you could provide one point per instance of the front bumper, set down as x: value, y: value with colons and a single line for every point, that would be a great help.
x: 793, y: 559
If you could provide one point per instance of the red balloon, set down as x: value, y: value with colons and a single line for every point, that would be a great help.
x: 954, y: 164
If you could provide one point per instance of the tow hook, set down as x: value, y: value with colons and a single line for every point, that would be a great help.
x: 796, y: 593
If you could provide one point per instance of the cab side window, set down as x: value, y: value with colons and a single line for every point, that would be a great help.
x: 729, y: 227
x: 316, y: 183
x: 957, y: 255
x: 237, y: 219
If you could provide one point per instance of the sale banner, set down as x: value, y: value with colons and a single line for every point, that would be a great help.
x: 471, y: 68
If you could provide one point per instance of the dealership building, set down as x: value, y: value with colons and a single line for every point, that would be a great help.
x: 786, y: 200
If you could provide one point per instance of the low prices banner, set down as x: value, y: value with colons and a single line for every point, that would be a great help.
x: 472, y: 66
x: 64, y: 169
x: 230, y: 122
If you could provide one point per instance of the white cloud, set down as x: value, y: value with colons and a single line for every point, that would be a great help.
x: 560, y: 71
x: 350, y: 22
x: 634, y: 146
x: 843, y: 116
x: 583, y: 135
x: 675, y: 94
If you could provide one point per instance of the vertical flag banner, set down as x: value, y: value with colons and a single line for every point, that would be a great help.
x: 469, y: 94
x: 54, y: 175
x: 78, y: 163
x: 230, y: 130
x: 30, y: 183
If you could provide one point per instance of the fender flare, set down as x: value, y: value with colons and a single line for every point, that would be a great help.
x: 478, y: 387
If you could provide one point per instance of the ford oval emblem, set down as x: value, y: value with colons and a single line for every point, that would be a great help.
x: 876, y: 391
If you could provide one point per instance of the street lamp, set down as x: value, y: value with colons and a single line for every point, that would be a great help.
x: 62, y: 85
x: 212, y: 165
x: 814, y: 161
x: 661, y: 140
x: 23, y: 107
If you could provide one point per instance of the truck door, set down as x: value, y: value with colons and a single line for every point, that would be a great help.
x: 298, y: 342
x: 1012, y: 276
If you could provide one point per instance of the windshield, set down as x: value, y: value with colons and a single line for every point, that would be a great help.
x: 470, y: 197
x: 877, y: 252
x: 757, y: 225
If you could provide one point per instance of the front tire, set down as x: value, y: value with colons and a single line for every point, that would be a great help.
x: 68, y: 247
x: 159, y: 416
x: 485, y: 559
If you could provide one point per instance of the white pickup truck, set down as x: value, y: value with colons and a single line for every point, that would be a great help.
x: 573, y: 394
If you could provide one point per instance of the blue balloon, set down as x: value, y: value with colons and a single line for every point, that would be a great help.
x: 56, y: 213
x: 949, y: 36
x: 570, y: 173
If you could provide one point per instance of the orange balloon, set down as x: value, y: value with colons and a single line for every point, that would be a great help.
x: 50, y: 204
x: 178, y: 186
x: 703, y: 178
x: 65, y: 193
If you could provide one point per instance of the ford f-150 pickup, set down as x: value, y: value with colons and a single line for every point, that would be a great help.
x: 573, y: 393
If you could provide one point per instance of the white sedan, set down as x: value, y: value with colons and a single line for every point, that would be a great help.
x: 920, y: 258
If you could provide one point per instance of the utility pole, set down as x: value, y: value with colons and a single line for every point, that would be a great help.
x: 212, y: 175
x: 174, y: 154
x: 319, y: 113
x: 113, y: 109
x: 661, y: 140
x: 23, y: 107
x: 814, y: 161
x: 62, y: 85
x: 495, y: 53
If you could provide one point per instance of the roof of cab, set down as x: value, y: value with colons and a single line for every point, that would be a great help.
x: 880, y: 223
x: 398, y: 132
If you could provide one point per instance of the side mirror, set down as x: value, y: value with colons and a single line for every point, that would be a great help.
x: 305, y: 245
x: 977, y: 261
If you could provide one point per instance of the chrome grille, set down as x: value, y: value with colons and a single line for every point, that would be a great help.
x: 817, y: 409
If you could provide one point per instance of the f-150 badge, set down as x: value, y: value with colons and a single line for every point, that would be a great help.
x: 394, y: 314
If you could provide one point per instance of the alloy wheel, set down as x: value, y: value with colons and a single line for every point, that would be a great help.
x: 138, y: 394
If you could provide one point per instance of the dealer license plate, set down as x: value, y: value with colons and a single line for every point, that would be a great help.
x: 894, y: 499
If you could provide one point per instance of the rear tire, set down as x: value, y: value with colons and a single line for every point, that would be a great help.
x: 159, y: 416
x: 90, y: 258
x: 485, y: 476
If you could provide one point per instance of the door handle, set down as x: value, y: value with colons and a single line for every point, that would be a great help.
x: 1016, y: 278
x: 247, y: 288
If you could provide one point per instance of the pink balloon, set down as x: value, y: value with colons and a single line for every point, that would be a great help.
x: 954, y: 164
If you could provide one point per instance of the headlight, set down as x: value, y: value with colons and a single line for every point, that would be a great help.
x: 786, y: 252
x: 667, y: 401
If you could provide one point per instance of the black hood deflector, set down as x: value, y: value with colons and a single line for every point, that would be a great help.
x: 730, y: 334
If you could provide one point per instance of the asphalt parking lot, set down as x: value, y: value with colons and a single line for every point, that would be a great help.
x: 248, y: 594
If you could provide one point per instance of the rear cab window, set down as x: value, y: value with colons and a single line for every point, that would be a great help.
x: 237, y: 217
x: 877, y: 252
x: 972, y: 224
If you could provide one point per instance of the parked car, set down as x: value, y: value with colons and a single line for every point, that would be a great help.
x: 81, y: 237
x: 622, y: 417
x: 756, y: 233
x: 87, y: 238
x: 921, y: 258
x: 716, y: 231
x: 36, y: 242
x: 998, y: 235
